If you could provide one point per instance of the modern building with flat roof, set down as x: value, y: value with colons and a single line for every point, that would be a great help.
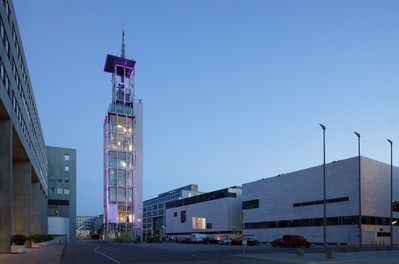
x: 154, y: 220
x: 214, y: 213
x: 23, y: 161
x: 293, y: 204
x: 123, y: 153
x: 62, y: 192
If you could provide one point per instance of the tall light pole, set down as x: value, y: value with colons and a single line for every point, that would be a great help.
x: 324, y: 186
x: 391, y: 225
x: 360, y: 191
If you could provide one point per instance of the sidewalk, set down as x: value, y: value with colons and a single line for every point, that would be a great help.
x: 369, y: 257
x: 50, y: 254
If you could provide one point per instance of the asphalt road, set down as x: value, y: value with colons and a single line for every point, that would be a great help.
x: 111, y: 253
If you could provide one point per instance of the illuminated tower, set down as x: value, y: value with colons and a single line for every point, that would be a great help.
x: 123, y: 153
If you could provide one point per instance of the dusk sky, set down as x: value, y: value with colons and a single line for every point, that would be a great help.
x: 233, y: 90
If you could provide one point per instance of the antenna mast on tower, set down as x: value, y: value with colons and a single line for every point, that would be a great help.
x: 123, y: 55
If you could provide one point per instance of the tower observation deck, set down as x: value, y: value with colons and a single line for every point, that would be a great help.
x: 123, y: 153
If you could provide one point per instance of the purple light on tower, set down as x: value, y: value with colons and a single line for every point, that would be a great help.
x: 122, y: 153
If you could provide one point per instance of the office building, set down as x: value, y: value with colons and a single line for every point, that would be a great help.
x: 293, y: 204
x: 62, y: 192
x: 23, y: 161
x: 123, y: 153
x: 154, y: 220
x: 214, y: 213
x: 88, y: 227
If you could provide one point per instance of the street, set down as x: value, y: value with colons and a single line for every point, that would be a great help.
x: 112, y: 253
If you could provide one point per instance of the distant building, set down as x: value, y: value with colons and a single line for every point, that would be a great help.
x: 123, y: 153
x: 87, y: 226
x: 293, y: 203
x: 154, y: 220
x: 214, y: 213
x: 62, y: 192
x: 23, y: 162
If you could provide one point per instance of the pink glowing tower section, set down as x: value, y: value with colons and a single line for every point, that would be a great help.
x: 122, y: 190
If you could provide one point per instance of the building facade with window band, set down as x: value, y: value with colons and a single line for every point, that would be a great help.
x: 292, y: 203
x: 23, y: 161
x: 62, y: 192
x: 214, y: 213
x: 154, y: 220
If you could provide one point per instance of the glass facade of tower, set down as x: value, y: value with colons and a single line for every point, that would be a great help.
x: 121, y: 202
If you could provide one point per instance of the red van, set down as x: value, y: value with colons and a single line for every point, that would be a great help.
x: 291, y: 241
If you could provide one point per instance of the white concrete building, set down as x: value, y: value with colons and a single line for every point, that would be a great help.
x: 292, y: 203
x: 214, y: 213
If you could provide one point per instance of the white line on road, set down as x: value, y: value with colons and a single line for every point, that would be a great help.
x: 114, y: 260
x: 338, y: 261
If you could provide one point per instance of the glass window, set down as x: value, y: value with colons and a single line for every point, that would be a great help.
x: 112, y: 177
x: 112, y: 196
x: 59, y: 179
x: 52, y: 190
x: 122, y: 178
x: 66, y: 157
x: 59, y: 190
x: 66, y: 191
x: 121, y: 195
x: 52, y: 178
x: 66, y: 180
x: 66, y: 168
x: 129, y: 179
x: 129, y: 196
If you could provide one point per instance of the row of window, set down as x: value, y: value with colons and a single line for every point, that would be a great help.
x: 148, y: 203
x: 60, y: 190
x: 38, y: 152
x: 333, y: 200
x: 201, y: 198
x: 331, y: 221
x: 154, y: 213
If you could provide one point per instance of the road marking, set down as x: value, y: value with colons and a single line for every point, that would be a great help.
x: 338, y: 261
x: 212, y: 259
x: 114, y: 260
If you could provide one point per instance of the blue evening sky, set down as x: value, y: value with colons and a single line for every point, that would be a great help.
x: 233, y: 90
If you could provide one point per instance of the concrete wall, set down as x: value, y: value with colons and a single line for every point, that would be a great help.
x: 56, y: 170
x: 278, y: 194
x: 224, y: 214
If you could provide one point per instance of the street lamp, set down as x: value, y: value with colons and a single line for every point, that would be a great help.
x: 324, y: 186
x: 360, y: 192
x: 391, y: 224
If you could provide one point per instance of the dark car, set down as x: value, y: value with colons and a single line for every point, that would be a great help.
x: 252, y: 242
x: 277, y: 243
x: 292, y: 241
x: 210, y: 240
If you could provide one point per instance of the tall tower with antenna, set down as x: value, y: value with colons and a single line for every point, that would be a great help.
x: 123, y: 153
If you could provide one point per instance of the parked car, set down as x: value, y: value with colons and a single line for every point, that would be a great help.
x: 236, y: 242
x: 277, y: 243
x: 225, y: 241
x: 210, y: 240
x: 291, y: 241
x: 252, y: 242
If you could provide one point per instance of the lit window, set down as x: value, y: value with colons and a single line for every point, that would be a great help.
x: 198, y: 222
x: 66, y: 168
x: 66, y: 157
x: 59, y: 190
x: 66, y: 191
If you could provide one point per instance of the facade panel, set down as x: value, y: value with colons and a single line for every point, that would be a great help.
x: 293, y: 203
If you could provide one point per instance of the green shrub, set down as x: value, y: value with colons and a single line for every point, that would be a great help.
x: 48, y: 237
x: 19, y: 239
